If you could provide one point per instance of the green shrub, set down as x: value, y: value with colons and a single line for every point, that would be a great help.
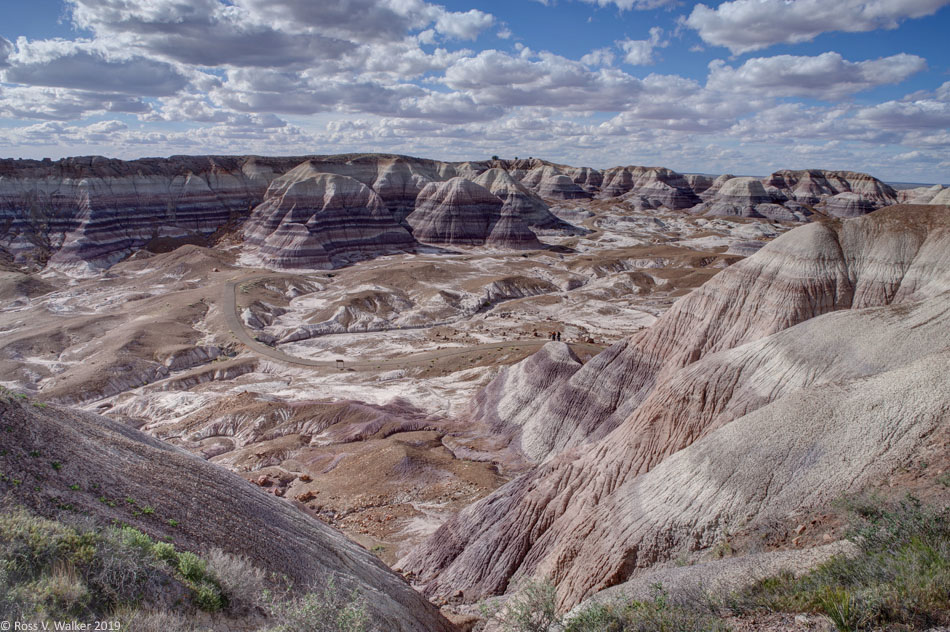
x: 30, y: 545
x: 191, y: 566
x: 165, y: 552
x: 136, y: 539
x: 659, y: 614
x: 208, y: 597
x: 899, y: 576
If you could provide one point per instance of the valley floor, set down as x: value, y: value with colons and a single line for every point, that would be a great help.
x: 346, y: 391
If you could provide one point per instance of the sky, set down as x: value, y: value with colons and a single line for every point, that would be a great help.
x: 743, y: 87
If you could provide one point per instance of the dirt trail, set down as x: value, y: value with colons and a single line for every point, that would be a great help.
x: 234, y: 323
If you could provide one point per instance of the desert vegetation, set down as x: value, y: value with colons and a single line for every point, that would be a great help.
x: 57, y: 572
x: 899, y: 579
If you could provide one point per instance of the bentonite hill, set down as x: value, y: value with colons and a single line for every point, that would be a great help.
x: 429, y: 395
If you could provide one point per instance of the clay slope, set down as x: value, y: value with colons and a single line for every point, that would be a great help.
x: 720, y: 353
x: 649, y: 187
x: 936, y: 194
x: 84, y: 214
x: 90, y: 212
x: 511, y: 402
x: 746, y: 197
x: 311, y: 219
x: 194, y: 503
x: 812, y: 186
x: 518, y: 200
x: 461, y: 212
x: 396, y: 179
x: 549, y: 182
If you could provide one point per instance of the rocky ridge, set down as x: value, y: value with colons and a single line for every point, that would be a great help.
x: 313, y: 219
x: 743, y: 356
x: 84, y: 214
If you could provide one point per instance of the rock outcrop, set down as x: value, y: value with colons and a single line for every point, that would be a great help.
x: 513, y: 401
x: 512, y: 233
x: 195, y: 504
x: 396, y: 179
x: 715, y: 186
x: 738, y: 197
x: 518, y: 200
x: 815, y: 185
x: 549, y: 182
x: 755, y: 350
x: 937, y: 194
x: 649, y: 187
x: 84, y: 214
x: 460, y: 212
x: 81, y: 213
x: 311, y: 219
x: 847, y: 205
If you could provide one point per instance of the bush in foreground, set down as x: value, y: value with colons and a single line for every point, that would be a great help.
x: 656, y: 615
x: 899, y: 579
x: 53, y: 572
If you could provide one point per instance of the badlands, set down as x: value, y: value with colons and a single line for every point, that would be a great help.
x: 477, y: 374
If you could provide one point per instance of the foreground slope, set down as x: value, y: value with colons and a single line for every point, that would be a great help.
x: 588, y: 518
x: 61, y: 460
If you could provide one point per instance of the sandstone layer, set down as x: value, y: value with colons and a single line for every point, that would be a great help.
x: 311, y: 219
x: 518, y: 200
x: 82, y: 215
x: 460, y: 212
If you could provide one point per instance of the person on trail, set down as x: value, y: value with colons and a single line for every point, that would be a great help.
x: 559, y: 336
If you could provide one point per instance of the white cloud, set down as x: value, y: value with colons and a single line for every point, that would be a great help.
x: 204, y: 33
x: 6, y: 49
x: 89, y: 66
x: 496, y: 78
x: 60, y: 104
x: 907, y: 116
x: 599, y: 57
x: 747, y: 25
x: 631, y: 4
x: 640, y: 52
x: 827, y: 76
x: 464, y: 26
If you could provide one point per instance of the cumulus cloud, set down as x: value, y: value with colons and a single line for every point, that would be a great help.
x: 827, y: 76
x: 59, y: 104
x: 369, y: 75
x: 747, y: 25
x: 599, y: 57
x: 87, y: 66
x: 6, y: 48
x: 204, y: 33
x: 497, y: 78
x: 640, y: 52
x: 632, y: 4
x: 909, y: 116
x: 464, y: 26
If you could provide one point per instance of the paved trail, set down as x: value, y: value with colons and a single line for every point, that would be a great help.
x: 236, y: 325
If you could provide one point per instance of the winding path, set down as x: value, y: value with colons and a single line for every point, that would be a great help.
x: 236, y: 325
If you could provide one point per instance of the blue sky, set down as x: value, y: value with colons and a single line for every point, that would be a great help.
x: 744, y: 86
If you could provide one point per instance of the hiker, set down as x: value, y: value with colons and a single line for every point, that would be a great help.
x: 559, y: 336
